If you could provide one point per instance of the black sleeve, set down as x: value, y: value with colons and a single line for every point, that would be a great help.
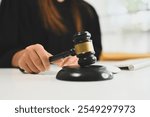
x: 18, y: 28
x: 8, y: 31
x: 92, y: 25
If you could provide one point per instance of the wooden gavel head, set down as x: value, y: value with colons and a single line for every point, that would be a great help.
x: 84, y: 48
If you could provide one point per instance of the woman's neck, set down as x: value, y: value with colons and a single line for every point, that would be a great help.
x: 60, y: 1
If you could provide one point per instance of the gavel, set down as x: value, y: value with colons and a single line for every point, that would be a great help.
x: 83, y: 49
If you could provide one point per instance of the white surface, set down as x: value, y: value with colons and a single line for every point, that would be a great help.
x: 125, y: 85
x: 129, y: 64
x: 135, y: 64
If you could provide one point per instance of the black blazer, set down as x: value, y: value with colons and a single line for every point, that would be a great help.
x: 21, y: 25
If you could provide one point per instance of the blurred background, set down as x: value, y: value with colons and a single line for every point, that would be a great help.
x: 125, y: 25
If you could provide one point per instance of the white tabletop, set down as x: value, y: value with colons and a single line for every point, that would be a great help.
x: 124, y: 85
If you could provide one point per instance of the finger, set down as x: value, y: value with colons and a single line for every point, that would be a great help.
x: 70, y: 61
x: 24, y: 66
x: 66, y: 62
x: 35, y: 62
x: 31, y: 65
x: 43, y: 55
x: 75, y: 62
x: 58, y: 62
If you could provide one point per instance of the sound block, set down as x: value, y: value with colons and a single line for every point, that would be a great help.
x: 88, y: 73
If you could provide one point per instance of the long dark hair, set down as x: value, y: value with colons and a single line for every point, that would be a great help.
x: 52, y: 19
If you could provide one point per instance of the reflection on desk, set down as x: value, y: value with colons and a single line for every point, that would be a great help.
x: 125, y: 85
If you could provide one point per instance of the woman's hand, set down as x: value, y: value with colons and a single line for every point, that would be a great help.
x: 69, y: 61
x: 33, y: 59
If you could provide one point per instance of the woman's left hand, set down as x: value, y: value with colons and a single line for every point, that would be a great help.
x: 69, y: 61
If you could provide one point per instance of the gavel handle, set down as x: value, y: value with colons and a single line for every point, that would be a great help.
x: 62, y: 55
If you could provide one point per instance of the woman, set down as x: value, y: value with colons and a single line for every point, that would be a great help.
x: 33, y: 30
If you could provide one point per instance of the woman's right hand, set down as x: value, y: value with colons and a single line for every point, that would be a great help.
x: 33, y: 59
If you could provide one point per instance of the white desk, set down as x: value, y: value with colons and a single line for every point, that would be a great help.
x: 125, y: 85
